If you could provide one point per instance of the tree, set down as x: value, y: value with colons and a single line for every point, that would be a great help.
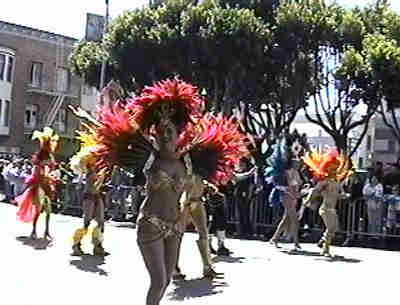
x: 251, y: 53
x: 219, y: 49
x: 375, y: 67
x: 383, y: 57
x: 343, y: 85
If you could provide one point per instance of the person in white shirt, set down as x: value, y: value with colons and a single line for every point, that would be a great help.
x: 373, y: 193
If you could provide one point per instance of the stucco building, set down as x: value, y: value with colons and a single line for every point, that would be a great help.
x: 36, y: 88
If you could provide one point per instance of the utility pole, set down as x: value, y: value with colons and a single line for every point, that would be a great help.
x: 104, y: 63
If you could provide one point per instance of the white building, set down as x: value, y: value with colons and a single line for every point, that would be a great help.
x: 379, y: 144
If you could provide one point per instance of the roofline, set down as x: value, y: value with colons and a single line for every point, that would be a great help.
x: 50, y: 35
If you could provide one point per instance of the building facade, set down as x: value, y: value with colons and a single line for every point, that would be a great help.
x: 379, y: 144
x: 36, y: 88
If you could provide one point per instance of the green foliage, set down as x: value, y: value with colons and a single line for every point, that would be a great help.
x: 86, y: 59
x: 350, y: 30
x: 308, y: 24
x: 383, y: 56
x: 391, y: 26
x: 262, y: 8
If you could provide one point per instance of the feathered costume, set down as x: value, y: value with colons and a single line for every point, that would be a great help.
x: 122, y: 133
x: 274, y: 173
x: 285, y: 180
x: 41, y: 185
x: 287, y: 149
x: 329, y: 168
x: 328, y: 165
x: 216, y: 146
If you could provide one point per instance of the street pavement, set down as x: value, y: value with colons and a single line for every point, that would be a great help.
x: 42, y: 273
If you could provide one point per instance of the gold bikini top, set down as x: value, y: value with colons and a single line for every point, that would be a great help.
x: 161, y: 179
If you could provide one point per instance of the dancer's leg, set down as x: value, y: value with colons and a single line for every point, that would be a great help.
x: 171, y: 245
x: 199, y: 216
x: 88, y: 211
x: 282, y: 226
x: 154, y: 259
x: 331, y: 224
x: 293, y: 226
x: 98, y: 232
x: 33, y: 234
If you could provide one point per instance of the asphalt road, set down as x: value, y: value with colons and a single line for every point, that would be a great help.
x: 43, y: 273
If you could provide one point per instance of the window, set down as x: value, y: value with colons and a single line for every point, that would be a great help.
x: 63, y: 80
x: 369, y: 142
x: 36, y: 74
x: 392, y: 146
x: 2, y: 65
x: 6, y: 65
x: 4, y: 113
x: 61, y: 120
x: 10, y: 68
x: 31, y: 119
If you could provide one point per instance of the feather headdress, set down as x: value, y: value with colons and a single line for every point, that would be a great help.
x: 215, y: 145
x: 328, y: 165
x: 48, y: 143
x: 172, y: 98
x: 112, y: 139
x: 277, y: 163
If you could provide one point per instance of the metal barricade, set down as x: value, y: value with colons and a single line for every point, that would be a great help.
x: 363, y: 221
x: 265, y: 217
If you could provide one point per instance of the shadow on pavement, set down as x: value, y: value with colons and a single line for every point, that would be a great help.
x: 335, y: 258
x: 301, y: 252
x: 90, y: 263
x: 196, y: 288
x: 228, y: 259
x: 338, y: 258
x: 35, y: 243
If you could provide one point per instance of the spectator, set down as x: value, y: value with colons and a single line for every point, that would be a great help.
x: 393, y: 202
x: 373, y: 192
x: 244, y: 191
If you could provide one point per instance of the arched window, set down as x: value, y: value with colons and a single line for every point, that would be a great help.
x: 7, y: 62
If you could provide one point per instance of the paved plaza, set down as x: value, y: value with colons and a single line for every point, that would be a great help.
x: 39, y: 273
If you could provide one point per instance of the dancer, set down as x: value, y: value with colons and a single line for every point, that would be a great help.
x: 329, y: 168
x: 197, y: 213
x: 142, y: 133
x: 41, y: 185
x: 83, y: 163
x: 215, y: 146
x: 282, y: 172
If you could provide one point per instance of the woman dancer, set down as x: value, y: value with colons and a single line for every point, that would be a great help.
x: 41, y: 185
x: 329, y: 168
x: 143, y: 133
x: 283, y: 174
x: 93, y: 205
x: 215, y: 146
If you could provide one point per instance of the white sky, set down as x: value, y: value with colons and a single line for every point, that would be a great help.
x: 61, y: 17
x: 69, y: 17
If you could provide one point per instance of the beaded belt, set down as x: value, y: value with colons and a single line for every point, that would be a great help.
x: 167, y: 227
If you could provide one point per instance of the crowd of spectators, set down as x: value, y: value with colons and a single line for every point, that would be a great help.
x: 374, y: 208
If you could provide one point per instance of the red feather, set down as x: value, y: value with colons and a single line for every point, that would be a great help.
x: 216, y: 146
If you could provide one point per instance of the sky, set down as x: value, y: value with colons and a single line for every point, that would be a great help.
x: 62, y: 17
x: 69, y: 17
